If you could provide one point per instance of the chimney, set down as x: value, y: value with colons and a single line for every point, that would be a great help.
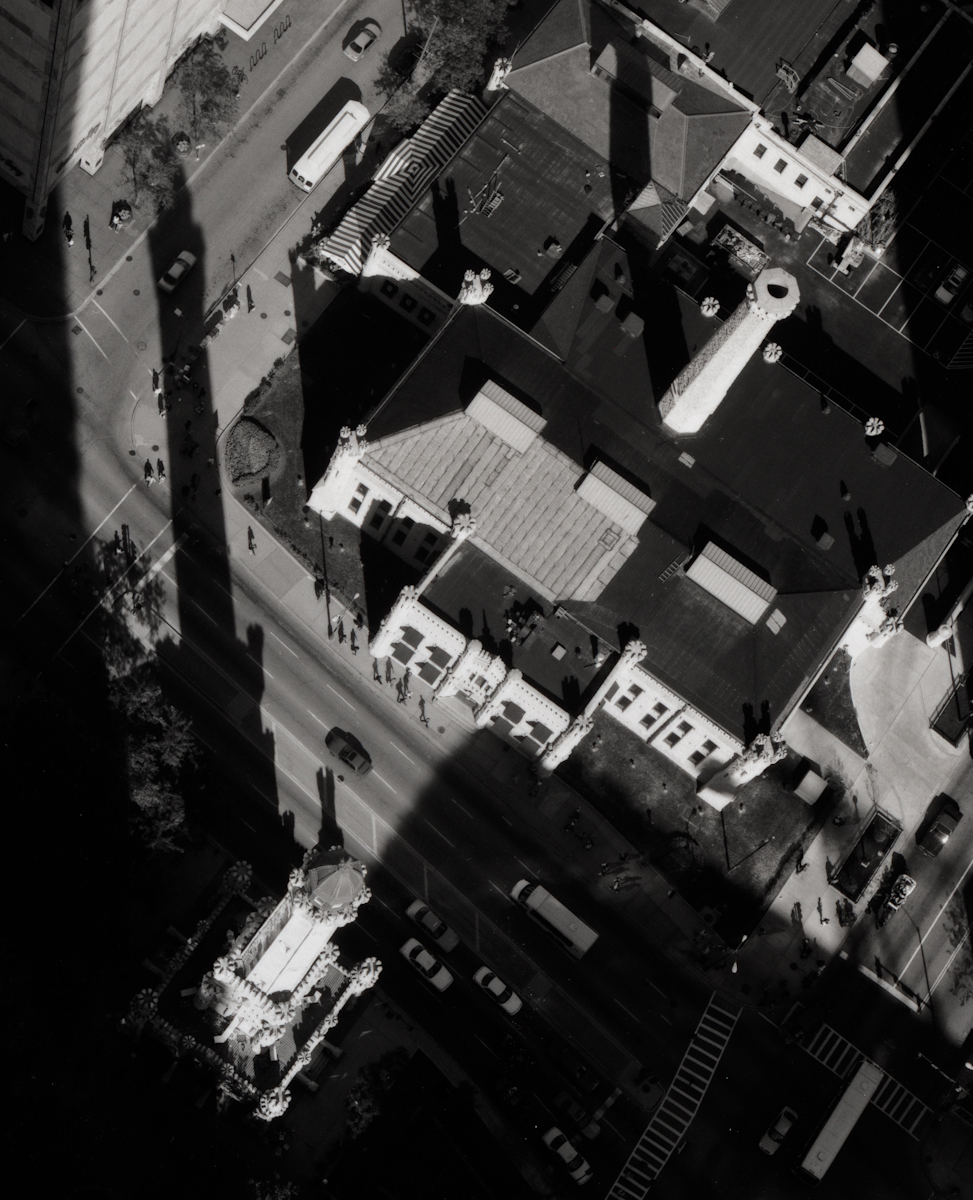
x: 699, y: 388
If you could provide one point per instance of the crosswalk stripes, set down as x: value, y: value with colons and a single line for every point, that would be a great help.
x: 841, y: 1056
x: 672, y: 1118
x: 897, y: 1102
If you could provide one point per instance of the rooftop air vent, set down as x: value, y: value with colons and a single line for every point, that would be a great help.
x: 731, y: 582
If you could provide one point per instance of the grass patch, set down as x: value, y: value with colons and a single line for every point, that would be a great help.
x: 829, y: 702
x: 326, y: 548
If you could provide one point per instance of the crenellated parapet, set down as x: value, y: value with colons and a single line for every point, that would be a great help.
x: 383, y: 639
x: 493, y: 706
x: 561, y: 747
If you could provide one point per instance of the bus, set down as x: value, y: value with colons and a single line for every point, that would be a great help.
x: 329, y: 146
x: 842, y: 1121
x: 554, y: 918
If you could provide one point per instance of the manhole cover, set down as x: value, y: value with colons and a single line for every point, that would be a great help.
x: 263, y: 316
x: 100, y: 292
x: 128, y: 258
x: 136, y: 292
x: 132, y: 453
x: 154, y: 449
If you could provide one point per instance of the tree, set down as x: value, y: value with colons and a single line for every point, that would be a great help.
x: 405, y: 110
x: 159, y: 750
x: 463, y: 33
x: 148, y: 165
x: 210, y: 92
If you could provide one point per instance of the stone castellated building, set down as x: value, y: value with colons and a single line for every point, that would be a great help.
x: 702, y: 384
x: 71, y: 71
x: 256, y: 989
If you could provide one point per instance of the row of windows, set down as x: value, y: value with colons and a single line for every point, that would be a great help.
x: 780, y: 166
x: 406, y: 525
x: 674, y: 736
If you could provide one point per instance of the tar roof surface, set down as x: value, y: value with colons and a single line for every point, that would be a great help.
x: 770, y: 469
x: 552, y: 188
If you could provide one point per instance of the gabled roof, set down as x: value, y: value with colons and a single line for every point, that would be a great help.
x: 628, y: 106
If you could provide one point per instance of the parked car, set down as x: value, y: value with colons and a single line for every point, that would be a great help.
x: 178, y: 271
x: 508, y: 999
x: 945, y: 819
x: 948, y: 290
x: 423, y: 915
x: 778, y: 1131
x: 577, y: 1166
x: 428, y: 966
x: 581, y: 1118
x: 364, y: 39
x: 580, y: 1074
x: 349, y: 750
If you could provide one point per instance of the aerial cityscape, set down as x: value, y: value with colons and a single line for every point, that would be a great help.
x: 489, y: 597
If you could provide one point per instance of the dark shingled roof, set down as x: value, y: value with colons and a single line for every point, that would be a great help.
x: 766, y: 480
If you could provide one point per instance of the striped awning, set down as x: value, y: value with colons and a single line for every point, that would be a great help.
x: 402, y: 178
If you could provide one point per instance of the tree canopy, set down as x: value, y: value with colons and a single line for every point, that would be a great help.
x: 210, y: 92
x: 159, y: 749
x: 148, y: 165
x: 463, y: 33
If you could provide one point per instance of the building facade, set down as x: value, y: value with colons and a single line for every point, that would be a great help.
x: 71, y: 71
x: 255, y: 990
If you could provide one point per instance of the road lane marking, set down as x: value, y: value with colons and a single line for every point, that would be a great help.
x: 386, y: 782
x: 932, y: 925
x: 97, y: 347
x: 283, y: 643
x: 340, y: 697
x: 108, y: 319
x: 489, y: 1047
x: 461, y: 807
x: 441, y: 834
x: 9, y: 336
x: 505, y: 819
x: 362, y: 929
x: 156, y: 567
x: 530, y: 870
x: 959, y: 946
x: 403, y: 753
x: 499, y: 889
x: 658, y: 989
x: 622, y: 1006
x: 318, y: 719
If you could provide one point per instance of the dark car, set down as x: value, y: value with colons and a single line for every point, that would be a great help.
x: 349, y: 750
x: 945, y: 819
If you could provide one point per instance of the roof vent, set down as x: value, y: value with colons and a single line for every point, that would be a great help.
x: 619, y: 500
x: 505, y: 416
x: 633, y: 325
x: 731, y: 583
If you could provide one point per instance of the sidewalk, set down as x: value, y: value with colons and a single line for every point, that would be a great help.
x: 48, y: 279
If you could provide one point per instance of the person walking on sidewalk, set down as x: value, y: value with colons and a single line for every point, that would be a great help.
x: 68, y: 230
x: 251, y: 541
x: 160, y: 466
x: 148, y: 473
x: 389, y: 672
x: 423, y: 716
x: 341, y: 632
x: 353, y: 643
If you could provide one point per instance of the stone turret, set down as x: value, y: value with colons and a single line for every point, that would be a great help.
x: 331, y: 492
x: 700, y: 387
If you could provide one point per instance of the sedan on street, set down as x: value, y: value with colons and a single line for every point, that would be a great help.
x: 508, y: 999
x: 937, y: 832
x: 423, y: 916
x: 777, y: 1132
x: 346, y: 748
x: 428, y: 966
x: 363, y: 40
x: 179, y: 269
x: 576, y: 1165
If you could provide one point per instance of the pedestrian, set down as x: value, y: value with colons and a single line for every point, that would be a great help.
x: 353, y: 643
x: 68, y: 230
x: 251, y: 541
x: 148, y: 473
x: 389, y: 671
x: 250, y: 304
x: 161, y: 468
x: 341, y: 632
x: 423, y: 718
x: 87, y: 234
x: 616, y: 883
x: 210, y: 461
x: 115, y: 223
x: 376, y: 673
x: 359, y: 619
x: 838, y: 820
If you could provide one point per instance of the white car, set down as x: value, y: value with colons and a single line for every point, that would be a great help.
x: 577, y: 1166
x: 423, y: 916
x: 777, y: 1132
x: 508, y: 999
x: 429, y: 967
x: 363, y: 40
x: 180, y: 268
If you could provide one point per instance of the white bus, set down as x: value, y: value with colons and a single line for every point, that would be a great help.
x: 842, y: 1121
x: 325, y: 150
x: 554, y: 918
